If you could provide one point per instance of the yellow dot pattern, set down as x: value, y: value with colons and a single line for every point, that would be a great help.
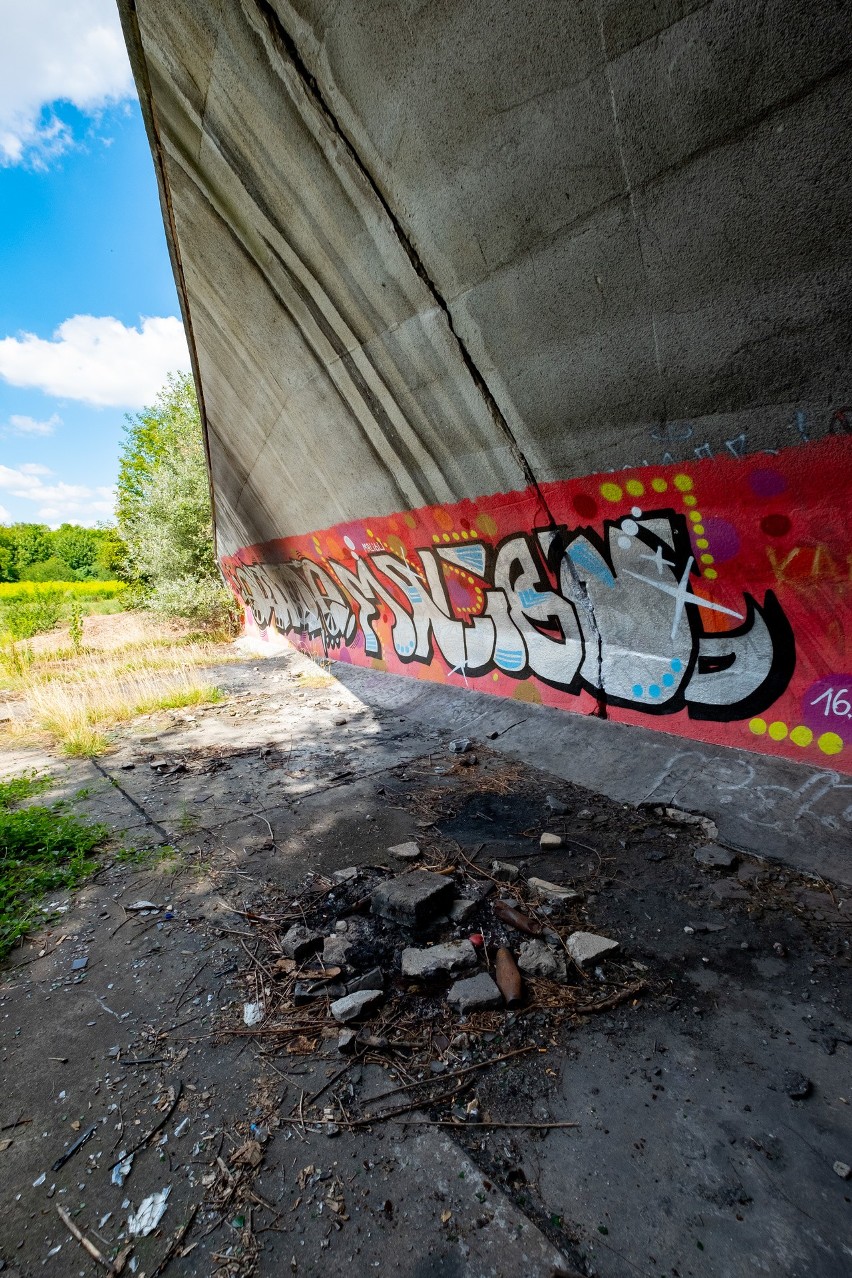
x: 611, y: 492
x: 801, y: 736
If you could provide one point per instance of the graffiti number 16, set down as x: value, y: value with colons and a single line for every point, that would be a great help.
x: 835, y: 702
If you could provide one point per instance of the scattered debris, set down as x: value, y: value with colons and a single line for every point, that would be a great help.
x: 679, y: 817
x: 405, y: 851
x: 149, y: 1214
x: 713, y: 854
x: 438, y: 960
x: 516, y: 918
x: 505, y: 872
x: 462, y: 746
x: 536, y: 958
x: 796, y: 1086
x: 475, y: 994
x: 508, y: 977
x: 586, y: 947
x: 121, y: 1170
x: 114, y: 1267
x: 553, y: 891
x: 549, y: 840
x: 413, y: 897
x: 72, y: 1149
x: 353, y: 1007
x: 252, y: 1013
x: 300, y: 941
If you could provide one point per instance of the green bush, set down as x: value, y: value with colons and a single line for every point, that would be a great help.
x: 23, y: 618
x: 52, y: 569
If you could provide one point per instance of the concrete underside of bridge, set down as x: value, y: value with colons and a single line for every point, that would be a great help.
x: 521, y: 334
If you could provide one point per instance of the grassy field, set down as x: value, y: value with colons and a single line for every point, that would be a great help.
x: 29, y: 608
x: 71, y: 689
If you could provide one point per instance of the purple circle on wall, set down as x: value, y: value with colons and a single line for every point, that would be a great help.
x: 827, y: 706
x: 724, y: 539
x: 767, y: 483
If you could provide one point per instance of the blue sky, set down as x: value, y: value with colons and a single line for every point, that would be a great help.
x: 89, y: 319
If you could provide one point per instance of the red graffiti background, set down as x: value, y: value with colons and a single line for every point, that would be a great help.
x: 764, y: 522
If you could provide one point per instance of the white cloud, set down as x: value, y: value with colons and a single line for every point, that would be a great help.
x: 5, y: 516
x: 21, y: 425
x: 52, y: 52
x: 98, y: 360
x: 57, y: 502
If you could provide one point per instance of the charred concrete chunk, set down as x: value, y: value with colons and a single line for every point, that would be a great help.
x: 412, y: 898
x: 438, y: 960
x: 353, y: 1007
x: 300, y: 941
x: 475, y: 994
x: 372, y: 980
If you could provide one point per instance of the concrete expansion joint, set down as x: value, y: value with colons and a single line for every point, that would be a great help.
x: 287, y: 47
x: 113, y: 781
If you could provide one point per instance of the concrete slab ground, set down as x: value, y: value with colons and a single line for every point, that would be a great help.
x: 710, y: 1110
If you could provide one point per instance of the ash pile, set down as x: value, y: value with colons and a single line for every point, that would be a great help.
x: 427, y: 964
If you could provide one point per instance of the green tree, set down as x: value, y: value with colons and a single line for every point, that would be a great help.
x: 8, y: 571
x: 163, y: 508
x: 151, y: 437
x: 32, y: 544
x: 75, y: 546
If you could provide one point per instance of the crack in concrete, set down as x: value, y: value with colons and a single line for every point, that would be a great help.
x: 288, y: 48
x: 113, y: 781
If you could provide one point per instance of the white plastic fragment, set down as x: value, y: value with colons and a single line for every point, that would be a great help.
x: 149, y: 1215
x: 40, y: 1180
x: 182, y: 1126
x: 252, y: 1013
x: 121, y: 1170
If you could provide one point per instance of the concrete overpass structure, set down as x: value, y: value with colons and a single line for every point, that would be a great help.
x: 521, y: 333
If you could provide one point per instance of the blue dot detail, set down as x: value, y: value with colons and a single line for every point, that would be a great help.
x: 668, y: 680
x: 654, y: 690
x: 638, y: 690
x: 677, y: 665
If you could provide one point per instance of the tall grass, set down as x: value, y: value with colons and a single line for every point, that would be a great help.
x: 78, y: 712
x: 78, y: 695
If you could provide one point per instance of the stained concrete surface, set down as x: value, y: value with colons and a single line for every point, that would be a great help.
x: 689, y: 1157
x: 429, y: 252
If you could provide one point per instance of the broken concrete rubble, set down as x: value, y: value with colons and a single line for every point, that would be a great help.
x: 537, y: 958
x: 553, y: 891
x: 353, y: 1007
x: 413, y: 897
x: 438, y: 960
x: 475, y: 994
x: 586, y: 947
x: 405, y: 851
x: 298, y: 942
x: 549, y: 840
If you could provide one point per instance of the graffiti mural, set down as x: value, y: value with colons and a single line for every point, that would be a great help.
x: 709, y: 596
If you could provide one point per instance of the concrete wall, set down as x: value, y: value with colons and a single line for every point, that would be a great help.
x: 436, y: 253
